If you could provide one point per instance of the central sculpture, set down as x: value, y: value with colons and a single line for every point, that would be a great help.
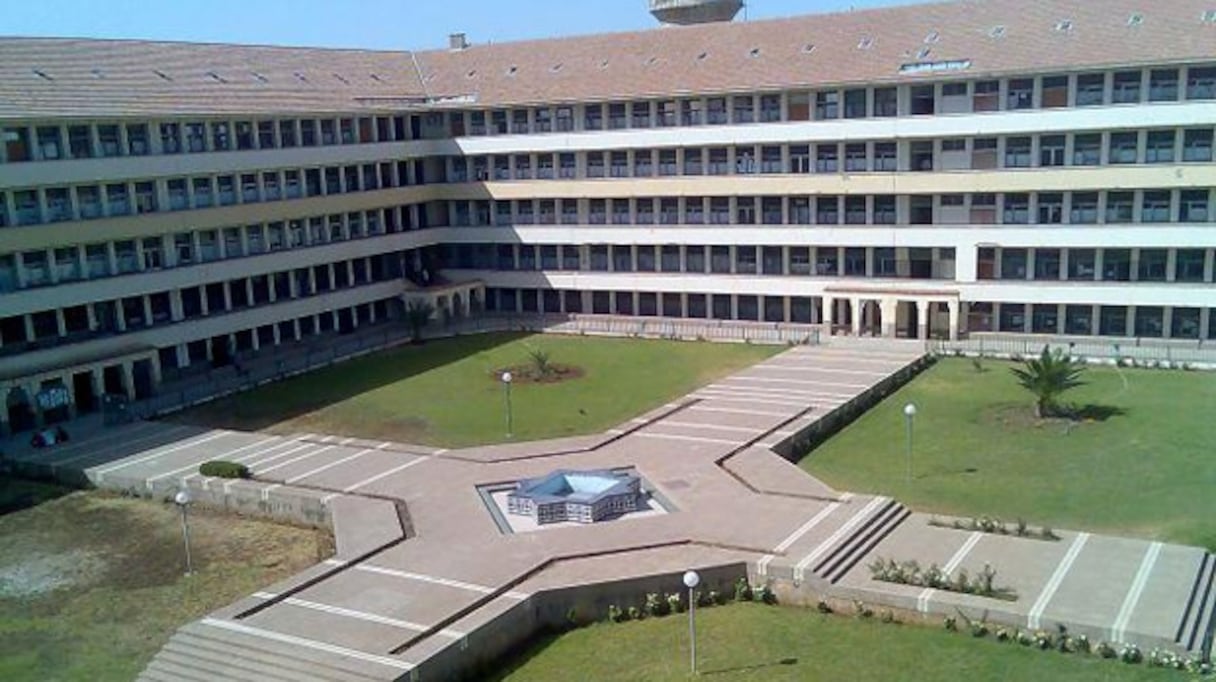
x: 577, y: 496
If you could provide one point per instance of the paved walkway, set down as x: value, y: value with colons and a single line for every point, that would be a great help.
x: 423, y: 579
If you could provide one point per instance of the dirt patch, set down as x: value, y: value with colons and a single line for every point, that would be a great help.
x: 527, y: 374
x: 34, y: 575
x: 1017, y: 417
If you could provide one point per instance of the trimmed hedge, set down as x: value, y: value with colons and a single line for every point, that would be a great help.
x: 222, y: 469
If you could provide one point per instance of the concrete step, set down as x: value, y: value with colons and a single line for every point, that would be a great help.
x: 259, y: 656
x: 163, y: 667
x: 234, y: 666
x: 1200, y: 611
x: 305, y: 659
x: 863, y: 538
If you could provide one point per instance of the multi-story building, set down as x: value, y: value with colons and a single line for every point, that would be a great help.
x: 944, y: 169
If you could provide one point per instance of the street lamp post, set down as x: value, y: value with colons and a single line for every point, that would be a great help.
x: 691, y: 580
x: 182, y: 499
x: 506, y: 383
x: 909, y: 413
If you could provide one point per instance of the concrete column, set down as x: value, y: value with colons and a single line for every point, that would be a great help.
x: 890, y: 311
x: 1167, y: 322
x: 954, y: 319
x: 1130, y: 327
x: 828, y: 315
x: 183, y: 355
x: 128, y: 380
x: 1095, y: 320
x: 922, y: 319
x: 855, y: 315
x: 1205, y: 315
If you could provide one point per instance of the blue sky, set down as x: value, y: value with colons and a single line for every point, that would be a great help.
x: 375, y: 24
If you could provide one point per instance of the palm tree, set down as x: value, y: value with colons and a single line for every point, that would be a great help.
x: 417, y: 314
x: 1047, y: 377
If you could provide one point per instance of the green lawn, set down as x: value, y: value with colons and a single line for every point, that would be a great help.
x: 978, y: 450
x: 446, y: 392
x: 755, y: 642
x: 92, y: 585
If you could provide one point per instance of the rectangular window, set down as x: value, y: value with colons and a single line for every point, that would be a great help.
x: 1201, y: 82
x: 1084, y: 208
x: 923, y: 100
x: 137, y: 139
x: 1017, y: 209
x: 1055, y: 92
x: 287, y: 134
x: 1021, y: 94
x: 1163, y: 85
x: 744, y: 111
x: 1160, y: 147
x: 80, y: 146
x: 1051, y: 208
x: 1194, y: 206
x: 1120, y: 207
x: 1087, y: 149
x: 1188, y: 265
x: 1124, y: 147
x: 593, y: 117
x: 885, y: 158
x: 855, y: 103
x: 1127, y: 87
x: 108, y: 138
x: 1081, y: 264
x: 1017, y: 152
x: 1197, y: 145
x: 987, y: 96
x: 1051, y: 150
x: 1091, y: 89
x: 827, y: 105
x: 886, y: 102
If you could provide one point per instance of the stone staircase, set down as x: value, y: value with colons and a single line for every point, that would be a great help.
x: 203, y: 652
x: 858, y: 543
x: 1199, y: 617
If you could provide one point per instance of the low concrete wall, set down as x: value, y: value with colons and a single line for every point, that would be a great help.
x: 802, y: 443
x: 551, y: 611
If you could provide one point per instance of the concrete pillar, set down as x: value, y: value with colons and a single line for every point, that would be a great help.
x: 828, y: 313
x: 1130, y: 327
x: 890, y: 311
x: 1167, y: 322
x: 954, y: 319
x: 855, y: 315
x: 128, y: 380
x: 922, y: 319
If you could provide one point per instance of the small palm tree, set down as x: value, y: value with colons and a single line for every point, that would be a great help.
x: 542, y: 368
x: 1052, y: 373
x: 417, y: 314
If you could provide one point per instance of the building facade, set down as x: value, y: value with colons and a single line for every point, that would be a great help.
x: 932, y: 170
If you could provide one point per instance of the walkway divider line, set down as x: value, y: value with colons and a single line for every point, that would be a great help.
x: 720, y: 427
x: 762, y: 565
x: 1035, y: 615
x: 110, y: 439
x: 358, y: 615
x: 308, y: 643
x: 383, y: 474
x: 194, y: 467
x: 729, y: 410
x: 692, y: 439
x: 926, y: 595
x: 843, y: 530
x: 159, y: 452
x: 325, y: 467
x: 1119, y: 629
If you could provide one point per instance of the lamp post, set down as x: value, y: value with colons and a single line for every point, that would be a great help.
x: 506, y: 384
x: 909, y: 413
x: 691, y: 580
x: 182, y: 499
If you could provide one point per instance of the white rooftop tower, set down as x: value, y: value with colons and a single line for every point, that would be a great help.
x: 684, y: 12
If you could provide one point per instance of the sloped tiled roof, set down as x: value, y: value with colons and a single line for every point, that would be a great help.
x: 119, y: 77
x: 132, y: 77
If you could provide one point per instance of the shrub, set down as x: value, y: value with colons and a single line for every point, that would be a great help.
x: 656, y: 606
x: 223, y: 469
x: 764, y: 594
x: 1048, y: 534
x: 1130, y: 653
x: 1004, y: 635
x: 743, y: 590
x: 823, y: 607
x: 1021, y: 528
x: 1080, y: 644
x: 861, y: 610
x: 888, y: 616
x: 1024, y: 638
x: 1044, y: 640
x: 950, y: 623
x: 979, y: 628
x: 634, y: 613
x: 675, y: 603
x: 1105, y: 650
x: 616, y: 615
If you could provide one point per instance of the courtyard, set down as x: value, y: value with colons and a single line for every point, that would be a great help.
x: 1140, y: 467
x: 446, y: 393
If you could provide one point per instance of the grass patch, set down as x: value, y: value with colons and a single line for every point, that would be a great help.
x: 91, y: 585
x: 444, y: 393
x: 1143, y: 469
x: 754, y: 642
x: 19, y: 493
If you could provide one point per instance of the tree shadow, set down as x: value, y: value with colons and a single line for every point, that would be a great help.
x: 295, y: 396
x: 1092, y: 412
x: 751, y: 667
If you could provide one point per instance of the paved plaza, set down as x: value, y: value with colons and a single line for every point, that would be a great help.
x: 424, y: 581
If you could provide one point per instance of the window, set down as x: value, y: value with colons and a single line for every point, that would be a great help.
x: 80, y: 146
x: 1084, y: 208
x: 88, y: 200
x: 770, y: 108
x: 827, y: 210
x: 1124, y: 147
x: 220, y: 140
x: 1017, y: 209
x: 1194, y: 206
x: 743, y: 108
x: 954, y: 90
x: 1087, y: 149
x: 885, y: 158
x: 1112, y: 321
x: 855, y: 103
x: 716, y: 113
x: 593, y: 117
x: 1047, y: 264
x: 1127, y: 87
x: 826, y: 158
x: 855, y: 157
x: 108, y: 137
x: 983, y: 209
x: 1156, y: 207
x: 987, y: 96
x: 1055, y: 92
x: 1160, y: 147
x: 117, y: 202
x: 1051, y: 150
x: 1091, y: 89
x: 1081, y: 264
x: 196, y: 137
x: 855, y: 210
x: 1197, y: 145
x: 266, y: 135
x: 1017, y: 152
x: 690, y: 112
x: 983, y: 153
x: 1152, y: 265
x: 1201, y: 83
x: 1163, y: 85
x: 1119, y: 207
x: 923, y: 100
x: 886, y: 102
x: 884, y: 209
x: 640, y: 115
x: 49, y: 142
x: 922, y: 156
x: 137, y: 139
x: 1116, y: 265
x: 1021, y: 94
x: 1188, y: 265
x: 827, y: 105
x: 1013, y: 264
x: 1051, y: 208
x: 170, y: 138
